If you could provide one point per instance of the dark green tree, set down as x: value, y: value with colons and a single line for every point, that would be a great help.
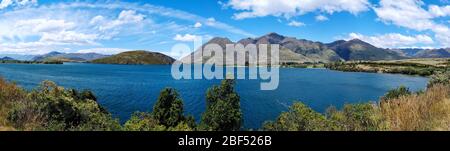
x: 223, y: 112
x: 168, y: 109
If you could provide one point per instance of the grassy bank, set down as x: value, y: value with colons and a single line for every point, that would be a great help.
x: 398, y: 110
x: 302, y: 65
x: 421, y: 67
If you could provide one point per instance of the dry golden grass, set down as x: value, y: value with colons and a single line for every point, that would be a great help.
x: 6, y: 128
x: 429, y: 111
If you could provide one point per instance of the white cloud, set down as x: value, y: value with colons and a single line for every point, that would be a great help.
x: 106, y: 51
x: 7, y: 3
x: 210, y: 21
x: 393, y: 40
x: 185, y: 37
x: 97, y: 20
x: 296, y: 24
x: 438, y: 11
x: 290, y: 8
x: 411, y: 14
x: 321, y: 18
x: 26, y: 2
x: 82, y: 25
x: 405, y: 13
x: 69, y: 37
x: 43, y: 25
x: 125, y: 17
x: 197, y: 25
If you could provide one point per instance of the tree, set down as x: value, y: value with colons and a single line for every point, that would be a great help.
x: 223, y: 112
x: 168, y: 109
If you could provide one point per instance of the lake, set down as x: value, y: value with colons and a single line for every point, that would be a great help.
x: 124, y: 89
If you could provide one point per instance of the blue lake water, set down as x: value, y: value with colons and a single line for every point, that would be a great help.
x: 124, y: 89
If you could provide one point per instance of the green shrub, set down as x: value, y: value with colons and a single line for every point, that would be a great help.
x: 143, y: 122
x: 357, y: 117
x: 396, y: 93
x: 439, y: 78
x: 50, y: 107
x: 299, y: 118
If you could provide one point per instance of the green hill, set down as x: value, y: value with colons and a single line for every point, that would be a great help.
x: 136, y: 57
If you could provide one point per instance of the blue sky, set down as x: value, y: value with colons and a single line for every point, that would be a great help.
x: 40, y: 26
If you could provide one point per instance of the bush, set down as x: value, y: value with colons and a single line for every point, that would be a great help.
x: 440, y: 78
x: 356, y: 117
x: 143, y: 122
x: 298, y: 118
x: 396, y: 93
x: 50, y: 107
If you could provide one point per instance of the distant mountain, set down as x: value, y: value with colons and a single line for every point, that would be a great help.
x: 359, y: 50
x: 6, y: 59
x: 407, y: 52
x: 18, y: 56
x: 292, y: 50
x: 424, y: 53
x: 136, y: 57
x: 433, y: 53
x: 68, y: 57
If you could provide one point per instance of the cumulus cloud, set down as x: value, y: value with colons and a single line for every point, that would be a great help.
x: 125, y: 17
x: 411, y: 14
x: 81, y: 25
x: 197, y: 25
x: 185, y: 37
x: 7, y: 3
x: 405, y: 13
x: 43, y: 25
x: 438, y: 11
x: 69, y: 38
x: 321, y: 18
x: 392, y: 40
x: 290, y: 8
x: 296, y: 24
x: 106, y: 51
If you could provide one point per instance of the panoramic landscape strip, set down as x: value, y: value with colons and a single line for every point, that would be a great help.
x: 54, y: 108
x: 228, y: 65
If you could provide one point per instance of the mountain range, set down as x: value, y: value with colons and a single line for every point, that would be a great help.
x: 68, y: 57
x: 293, y: 50
x: 424, y: 53
x: 6, y: 59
